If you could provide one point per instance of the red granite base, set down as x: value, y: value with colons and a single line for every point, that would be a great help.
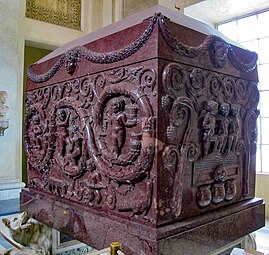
x: 199, y: 235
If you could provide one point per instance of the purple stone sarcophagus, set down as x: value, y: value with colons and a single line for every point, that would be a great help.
x: 145, y: 133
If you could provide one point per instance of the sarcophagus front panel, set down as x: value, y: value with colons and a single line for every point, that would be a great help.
x: 92, y: 139
x: 155, y: 127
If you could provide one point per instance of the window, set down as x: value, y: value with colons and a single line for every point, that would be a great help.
x: 252, y: 32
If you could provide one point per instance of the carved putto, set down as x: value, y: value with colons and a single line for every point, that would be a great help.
x: 92, y: 139
x: 207, y: 132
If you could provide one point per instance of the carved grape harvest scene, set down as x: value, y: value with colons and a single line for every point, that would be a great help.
x: 99, y: 132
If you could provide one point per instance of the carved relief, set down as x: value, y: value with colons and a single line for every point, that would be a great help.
x: 218, y: 49
x: 219, y: 53
x: 4, y: 123
x: 218, y: 193
x: 171, y: 161
x: 71, y: 149
x: 94, y: 137
x: 209, y: 126
x: 211, y: 104
x: 234, y: 127
x: 72, y: 58
x: 180, y: 109
x: 196, y: 86
x: 230, y: 189
x: 38, y: 142
x: 204, y: 196
x: 64, y: 13
x: 3, y: 107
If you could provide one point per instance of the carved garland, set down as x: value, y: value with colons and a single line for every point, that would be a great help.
x: 72, y: 56
x: 212, y: 127
x: 92, y: 140
x: 218, y: 48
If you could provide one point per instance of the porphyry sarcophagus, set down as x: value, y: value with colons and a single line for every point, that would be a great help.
x: 152, y: 123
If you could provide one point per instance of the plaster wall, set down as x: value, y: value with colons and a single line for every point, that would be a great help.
x: 11, y: 73
x: 134, y: 6
x: 42, y: 33
x: 95, y: 17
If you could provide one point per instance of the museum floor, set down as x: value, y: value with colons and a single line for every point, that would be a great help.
x: 262, y: 238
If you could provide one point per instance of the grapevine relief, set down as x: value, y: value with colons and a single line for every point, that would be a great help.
x: 208, y: 132
x: 94, y: 138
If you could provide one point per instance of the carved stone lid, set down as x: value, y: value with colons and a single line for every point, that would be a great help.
x: 133, y: 20
x: 157, y: 32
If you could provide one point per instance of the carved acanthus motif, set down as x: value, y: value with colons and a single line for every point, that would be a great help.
x: 215, y: 84
x: 38, y: 141
x: 180, y: 109
x: 174, y: 79
x: 196, y: 86
x: 241, y: 91
x: 229, y: 87
x: 95, y: 137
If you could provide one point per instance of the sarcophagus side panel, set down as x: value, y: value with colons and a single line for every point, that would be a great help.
x: 209, y: 136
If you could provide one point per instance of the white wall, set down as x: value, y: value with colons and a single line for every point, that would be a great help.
x: 262, y: 190
x: 11, y: 73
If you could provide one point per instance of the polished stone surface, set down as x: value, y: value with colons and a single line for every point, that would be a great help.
x: 146, y: 136
x: 200, y: 235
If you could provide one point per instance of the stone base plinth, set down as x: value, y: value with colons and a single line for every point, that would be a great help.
x: 199, y: 235
x: 10, y: 195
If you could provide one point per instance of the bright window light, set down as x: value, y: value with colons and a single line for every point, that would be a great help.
x: 252, y: 32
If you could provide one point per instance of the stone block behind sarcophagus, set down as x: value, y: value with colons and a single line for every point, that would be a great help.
x: 146, y: 124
